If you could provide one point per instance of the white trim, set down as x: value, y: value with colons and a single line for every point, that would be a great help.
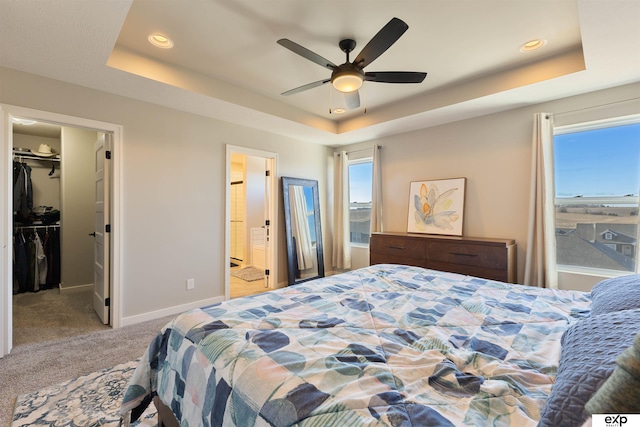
x: 359, y: 245
x: 589, y: 271
x: 6, y: 217
x: 75, y: 288
x: 600, y: 200
x: 597, y: 124
x: 272, y: 207
x: 169, y: 311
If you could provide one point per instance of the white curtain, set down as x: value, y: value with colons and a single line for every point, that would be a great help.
x: 540, y: 258
x: 376, y: 195
x: 300, y: 227
x: 341, y: 232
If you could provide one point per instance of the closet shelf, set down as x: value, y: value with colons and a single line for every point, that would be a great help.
x: 37, y: 226
x: 25, y: 155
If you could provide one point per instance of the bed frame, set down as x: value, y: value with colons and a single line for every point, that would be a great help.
x: 165, y: 415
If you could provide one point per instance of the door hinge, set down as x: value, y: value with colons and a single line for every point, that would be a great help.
x: 266, y: 272
x: 267, y: 222
x: 107, y: 154
x: 107, y: 228
x: 107, y: 302
x: 268, y: 173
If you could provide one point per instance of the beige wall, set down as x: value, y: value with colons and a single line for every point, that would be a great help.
x: 494, y: 154
x: 173, y: 183
x: 173, y: 187
x: 77, y: 211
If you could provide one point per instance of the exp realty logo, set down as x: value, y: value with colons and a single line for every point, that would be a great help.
x: 615, y: 420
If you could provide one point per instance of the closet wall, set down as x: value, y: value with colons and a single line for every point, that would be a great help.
x: 77, y: 206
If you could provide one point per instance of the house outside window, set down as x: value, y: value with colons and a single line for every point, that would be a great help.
x: 360, y: 196
x: 597, y: 184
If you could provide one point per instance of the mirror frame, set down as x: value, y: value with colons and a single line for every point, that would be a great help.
x: 291, y: 258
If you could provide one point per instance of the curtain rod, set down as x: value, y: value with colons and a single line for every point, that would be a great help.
x: 594, y: 106
x: 364, y: 149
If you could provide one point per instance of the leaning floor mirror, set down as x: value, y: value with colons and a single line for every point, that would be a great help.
x: 302, y: 225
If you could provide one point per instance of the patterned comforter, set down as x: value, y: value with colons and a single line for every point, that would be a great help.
x: 387, y: 345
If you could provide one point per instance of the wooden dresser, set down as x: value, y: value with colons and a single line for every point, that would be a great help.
x: 487, y: 258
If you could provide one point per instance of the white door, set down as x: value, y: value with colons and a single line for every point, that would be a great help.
x: 101, y: 292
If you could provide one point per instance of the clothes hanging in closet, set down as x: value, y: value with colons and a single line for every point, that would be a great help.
x: 36, y: 262
x: 22, y: 191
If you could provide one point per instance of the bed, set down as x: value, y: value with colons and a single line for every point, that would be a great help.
x: 387, y: 345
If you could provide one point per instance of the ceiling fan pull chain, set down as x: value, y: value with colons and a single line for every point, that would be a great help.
x: 364, y: 99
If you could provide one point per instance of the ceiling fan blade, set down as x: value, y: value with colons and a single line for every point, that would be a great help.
x: 352, y: 100
x: 382, y: 41
x: 305, y: 87
x: 395, y: 77
x: 306, y: 53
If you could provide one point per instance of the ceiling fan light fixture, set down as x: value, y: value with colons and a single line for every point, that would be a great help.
x: 347, y: 81
x: 161, y: 41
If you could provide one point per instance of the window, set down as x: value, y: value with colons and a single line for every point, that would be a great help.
x: 360, y: 191
x: 597, y: 181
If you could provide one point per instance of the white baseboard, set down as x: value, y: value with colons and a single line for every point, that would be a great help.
x: 75, y: 288
x: 175, y: 310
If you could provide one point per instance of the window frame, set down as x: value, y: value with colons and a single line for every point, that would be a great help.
x: 621, y: 200
x: 368, y: 158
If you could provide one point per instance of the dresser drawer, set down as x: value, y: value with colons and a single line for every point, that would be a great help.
x: 397, y: 247
x: 467, y: 254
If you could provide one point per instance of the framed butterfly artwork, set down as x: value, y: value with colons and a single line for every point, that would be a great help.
x: 436, y: 207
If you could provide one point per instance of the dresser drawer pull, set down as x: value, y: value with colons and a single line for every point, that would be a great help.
x: 459, y: 254
x: 396, y: 247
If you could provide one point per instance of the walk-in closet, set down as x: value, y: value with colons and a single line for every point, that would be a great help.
x: 53, y: 226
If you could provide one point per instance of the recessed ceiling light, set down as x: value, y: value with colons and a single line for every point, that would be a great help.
x: 160, y: 41
x: 532, y: 45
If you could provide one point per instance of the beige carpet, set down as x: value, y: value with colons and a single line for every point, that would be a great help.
x: 31, y: 367
x: 51, y: 315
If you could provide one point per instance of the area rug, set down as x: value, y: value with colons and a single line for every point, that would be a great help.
x: 248, y: 274
x: 90, y: 400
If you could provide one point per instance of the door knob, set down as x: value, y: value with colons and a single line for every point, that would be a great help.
x: 92, y: 234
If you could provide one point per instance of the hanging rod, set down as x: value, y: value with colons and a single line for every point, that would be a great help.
x: 37, y: 226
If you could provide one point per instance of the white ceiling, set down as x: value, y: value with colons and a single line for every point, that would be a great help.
x: 226, y: 63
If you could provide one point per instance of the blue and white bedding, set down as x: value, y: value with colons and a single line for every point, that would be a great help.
x: 387, y: 345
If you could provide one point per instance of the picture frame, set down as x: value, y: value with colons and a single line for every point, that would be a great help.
x: 436, y: 206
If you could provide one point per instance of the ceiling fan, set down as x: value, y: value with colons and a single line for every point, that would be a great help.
x: 348, y: 77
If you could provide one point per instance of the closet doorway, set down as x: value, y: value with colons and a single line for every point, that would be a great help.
x: 60, y: 222
x: 250, y: 248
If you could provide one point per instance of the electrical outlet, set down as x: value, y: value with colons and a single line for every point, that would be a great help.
x: 191, y: 284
